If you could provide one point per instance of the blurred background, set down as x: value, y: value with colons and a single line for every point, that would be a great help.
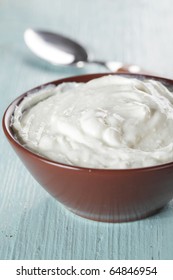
x: 138, y: 32
x: 33, y: 225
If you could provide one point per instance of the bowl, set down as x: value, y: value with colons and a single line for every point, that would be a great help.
x: 99, y: 194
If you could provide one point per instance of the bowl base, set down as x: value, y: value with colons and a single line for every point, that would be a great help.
x: 116, y: 219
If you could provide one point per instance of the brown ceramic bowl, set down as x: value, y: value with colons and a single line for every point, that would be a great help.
x: 98, y: 194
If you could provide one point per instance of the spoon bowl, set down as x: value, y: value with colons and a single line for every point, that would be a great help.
x: 54, y: 48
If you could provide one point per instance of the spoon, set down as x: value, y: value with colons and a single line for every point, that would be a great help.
x: 59, y: 50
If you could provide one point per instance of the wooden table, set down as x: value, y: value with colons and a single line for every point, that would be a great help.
x: 32, y: 224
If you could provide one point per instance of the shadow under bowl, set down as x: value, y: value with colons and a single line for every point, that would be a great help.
x: 98, y: 194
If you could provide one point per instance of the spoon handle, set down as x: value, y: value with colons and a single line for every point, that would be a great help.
x: 115, y: 66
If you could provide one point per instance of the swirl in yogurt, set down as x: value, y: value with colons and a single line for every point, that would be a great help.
x: 110, y: 122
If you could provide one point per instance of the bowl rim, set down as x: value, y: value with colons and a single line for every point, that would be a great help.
x: 10, y: 135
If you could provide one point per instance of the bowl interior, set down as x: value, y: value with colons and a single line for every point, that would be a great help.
x: 83, y: 78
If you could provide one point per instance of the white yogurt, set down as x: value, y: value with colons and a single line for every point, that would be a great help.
x: 110, y: 122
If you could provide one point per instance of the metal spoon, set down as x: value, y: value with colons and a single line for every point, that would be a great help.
x: 59, y: 50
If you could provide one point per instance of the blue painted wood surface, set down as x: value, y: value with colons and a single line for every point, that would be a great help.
x: 32, y: 224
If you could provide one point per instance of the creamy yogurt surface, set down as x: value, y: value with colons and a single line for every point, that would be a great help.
x: 110, y: 122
